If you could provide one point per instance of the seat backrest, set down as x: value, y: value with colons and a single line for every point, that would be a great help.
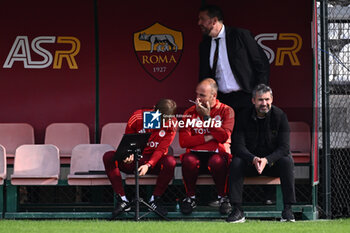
x: 177, y: 149
x: 112, y: 133
x: 300, y: 137
x: 88, y: 157
x: 13, y: 135
x: 2, y: 162
x: 37, y: 160
x: 66, y: 136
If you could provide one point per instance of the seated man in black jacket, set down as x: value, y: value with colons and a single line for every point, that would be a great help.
x: 261, y: 147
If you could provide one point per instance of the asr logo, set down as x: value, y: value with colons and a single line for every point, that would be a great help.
x: 158, y: 50
x: 21, y: 52
x: 293, y: 39
x: 151, y: 120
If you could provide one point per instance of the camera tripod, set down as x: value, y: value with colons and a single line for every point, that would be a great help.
x: 133, y: 149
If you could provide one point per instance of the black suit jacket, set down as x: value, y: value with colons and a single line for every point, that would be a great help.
x: 247, y: 59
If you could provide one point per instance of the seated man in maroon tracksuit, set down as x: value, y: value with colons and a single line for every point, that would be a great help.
x: 155, y: 159
x: 206, y: 144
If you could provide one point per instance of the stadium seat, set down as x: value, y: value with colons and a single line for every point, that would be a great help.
x: 144, y: 180
x: 36, y: 165
x: 66, y: 136
x: 112, y: 133
x: 13, y: 135
x: 177, y: 149
x: 86, y: 167
x: 300, y: 142
x: 256, y: 180
x: 3, y: 168
x: 206, y: 180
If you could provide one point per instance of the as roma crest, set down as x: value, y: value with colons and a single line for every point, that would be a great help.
x: 158, y: 50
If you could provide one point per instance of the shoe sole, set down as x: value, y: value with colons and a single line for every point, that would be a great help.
x: 242, y: 220
x: 214, y: 204
x: 115, y: 216
x: 154, y: 208
x: 286, y: 220
x: 124, y: 210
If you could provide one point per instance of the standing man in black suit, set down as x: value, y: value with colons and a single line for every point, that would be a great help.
x: 232, y: 57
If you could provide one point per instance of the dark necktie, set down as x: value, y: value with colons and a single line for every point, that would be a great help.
x: 216, y: 56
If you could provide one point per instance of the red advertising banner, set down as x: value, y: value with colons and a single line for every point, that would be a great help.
x: 148, y: 51
x: 47, y: 63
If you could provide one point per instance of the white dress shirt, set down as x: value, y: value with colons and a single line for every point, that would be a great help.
x: 224, y: 76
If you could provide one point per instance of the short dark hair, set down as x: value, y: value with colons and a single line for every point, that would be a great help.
x: 261, y: 88
x: 213, y: 11
x: 166, y: 106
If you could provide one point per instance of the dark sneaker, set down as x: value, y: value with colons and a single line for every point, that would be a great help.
x: 187, y: 205
x: 158, y: 206
x: 287, y: 216
x: 121, y: 207
x: 225, y: 206
x: 236, y: 216
x: 215, y: 203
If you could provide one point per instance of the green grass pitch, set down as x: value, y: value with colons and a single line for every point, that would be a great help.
x: 250, y: 226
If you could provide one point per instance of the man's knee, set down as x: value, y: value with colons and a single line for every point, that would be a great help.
x: 237, y: 167
x: 189, y: 160
x: 217, y: 161
x: 237, y: 163
x: 286, y: 162
x: 169, y: 162
x: 108, y: 157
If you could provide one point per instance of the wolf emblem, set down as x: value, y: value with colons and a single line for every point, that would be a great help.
x: 165, y: 42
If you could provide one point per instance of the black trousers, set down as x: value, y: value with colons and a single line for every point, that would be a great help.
x: 238, y: 100
x: 283, y: 168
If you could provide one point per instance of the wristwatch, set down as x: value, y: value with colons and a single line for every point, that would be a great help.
x: 149, y: 165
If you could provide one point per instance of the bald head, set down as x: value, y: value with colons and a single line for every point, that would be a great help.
x: 211, y: 84
x: 207, y: 91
